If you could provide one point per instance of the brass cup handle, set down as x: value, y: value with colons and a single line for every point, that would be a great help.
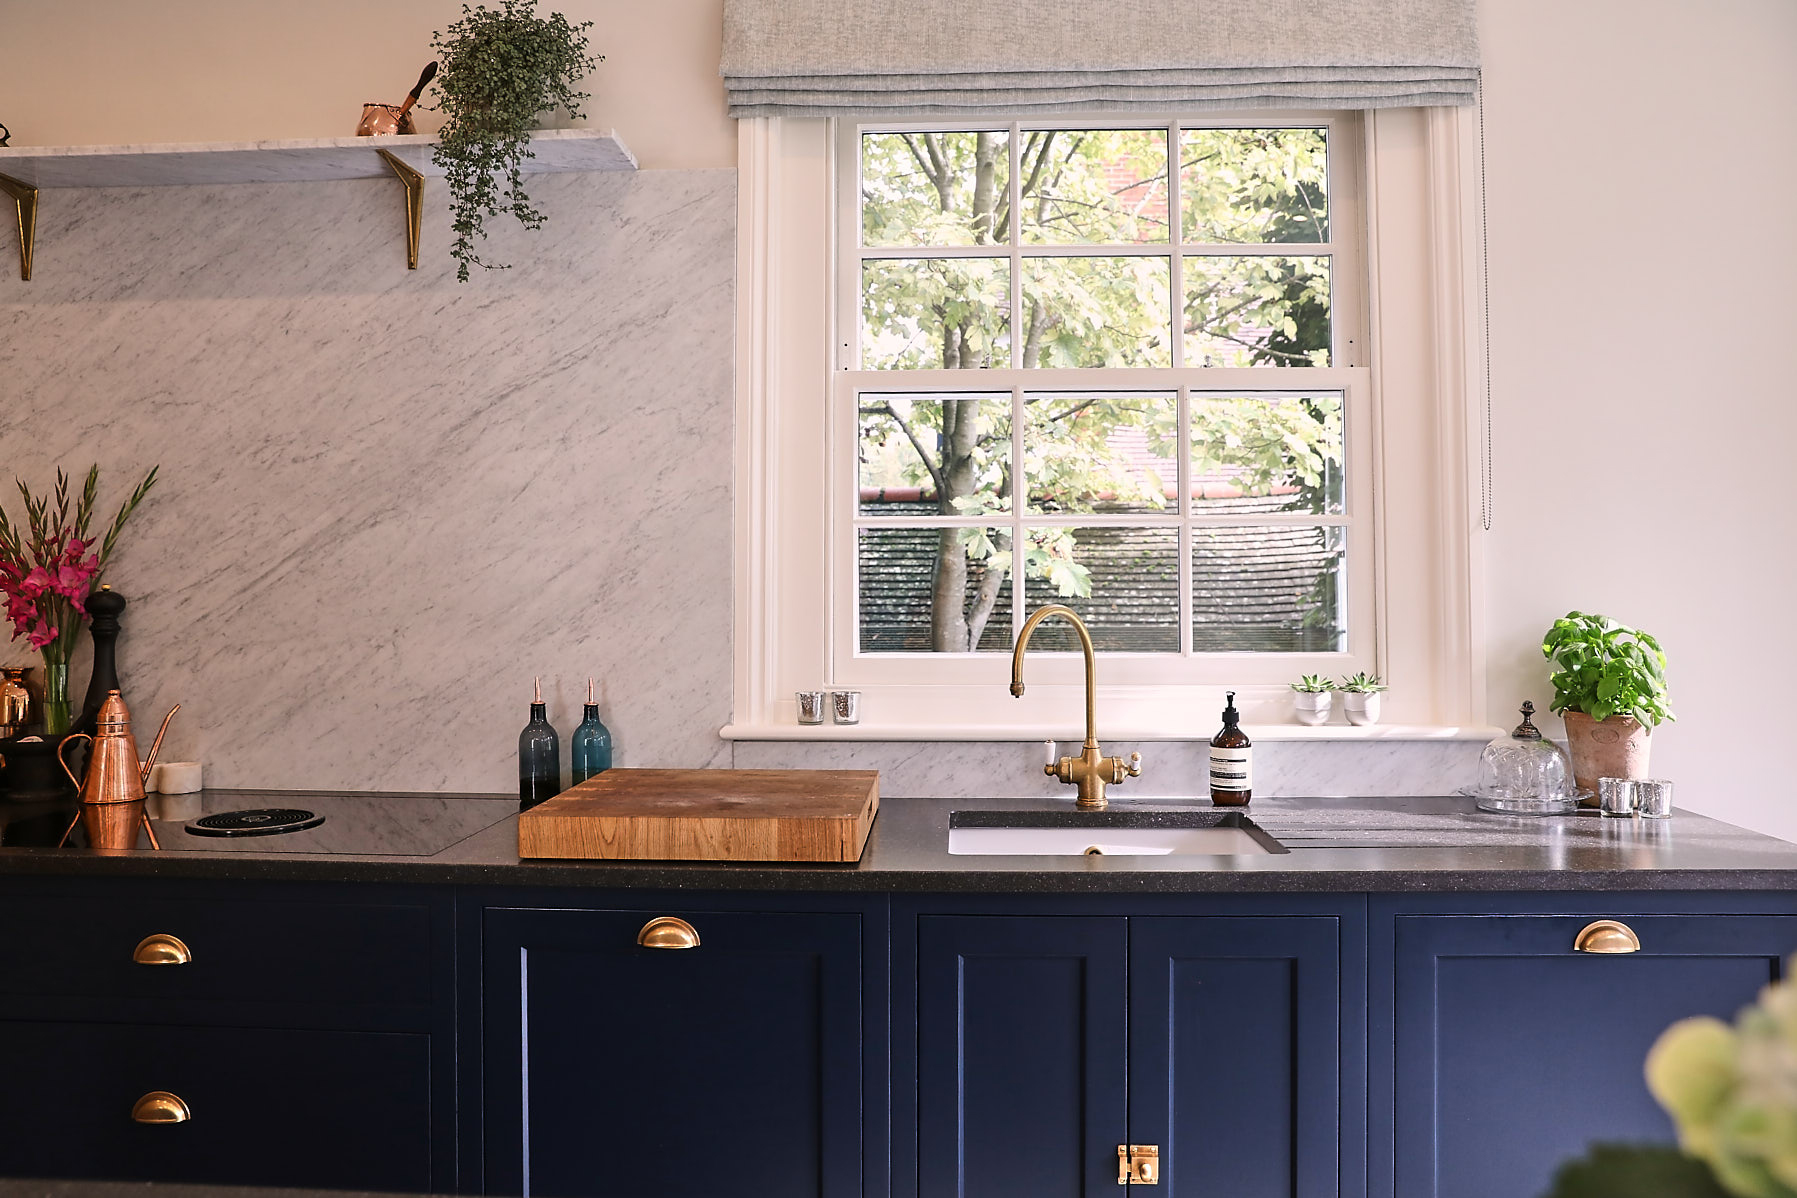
x: 1606, y: 936
x: 668, y: 931
x: 159, y: 1106
x: 162, y: 949
x: 66, y: 742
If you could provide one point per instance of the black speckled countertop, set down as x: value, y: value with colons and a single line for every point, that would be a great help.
x: 1336, y: 845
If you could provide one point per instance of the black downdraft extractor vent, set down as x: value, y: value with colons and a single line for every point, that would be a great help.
x: 260, y: 821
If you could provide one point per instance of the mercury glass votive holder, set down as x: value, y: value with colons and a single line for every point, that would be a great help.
x: 1616, y: 797
x: 1653, y: 798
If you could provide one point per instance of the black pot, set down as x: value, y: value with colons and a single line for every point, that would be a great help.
x: 32, y: 773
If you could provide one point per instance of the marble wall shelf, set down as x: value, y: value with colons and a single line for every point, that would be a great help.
x: 26, y: 169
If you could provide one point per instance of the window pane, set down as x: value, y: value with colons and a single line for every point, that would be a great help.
x: 1254, y: 186
x: 935, y: 455
x: 1081, y: 312
x: 1094, y: 186
x: 935, y: 188
x: 934, y: 589
x: 1123, y: 582
x: 1269, y: 589
x: 1271, y: 311
x: 935, y: 313
x: 1266, y: 454
x: 1100, y: 453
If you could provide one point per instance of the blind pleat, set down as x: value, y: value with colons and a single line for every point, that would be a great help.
x: 841, y: 57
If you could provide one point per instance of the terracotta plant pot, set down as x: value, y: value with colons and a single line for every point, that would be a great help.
x: 1312, y: 707
x: 1613, y: 748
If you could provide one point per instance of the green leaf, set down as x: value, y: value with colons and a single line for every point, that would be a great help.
x: 1635, y: 1171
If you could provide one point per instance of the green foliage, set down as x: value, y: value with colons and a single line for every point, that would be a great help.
x: 1635, y: 1171
x: 501, y: 67
x: 1097, y: 188
x: 1363, y: 684
x: 1604, y: 668
x: 1312, y: 684
x: 1732, y: 1092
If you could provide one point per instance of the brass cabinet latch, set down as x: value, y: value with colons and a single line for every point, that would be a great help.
x: 1139, y: 1164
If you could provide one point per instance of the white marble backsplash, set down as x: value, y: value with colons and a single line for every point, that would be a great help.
x: 388, y: 499
x: 1170, y: 769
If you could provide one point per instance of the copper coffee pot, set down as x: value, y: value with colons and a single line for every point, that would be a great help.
x: 112, y: 797
x: 379, y: 120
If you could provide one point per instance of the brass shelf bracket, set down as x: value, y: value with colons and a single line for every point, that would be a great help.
x: 414, y: 185
x: 24, y: 197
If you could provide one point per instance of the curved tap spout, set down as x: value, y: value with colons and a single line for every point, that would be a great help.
x: 1091, y: 770
x: 1085, y: 644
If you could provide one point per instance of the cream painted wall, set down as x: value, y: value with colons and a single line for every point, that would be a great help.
x: 119, y: 72
x: 1642, y: 250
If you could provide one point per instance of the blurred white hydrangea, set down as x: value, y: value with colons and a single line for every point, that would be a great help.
x: 1732, y: 1091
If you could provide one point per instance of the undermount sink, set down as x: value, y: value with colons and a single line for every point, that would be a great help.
x: 1107, y: 834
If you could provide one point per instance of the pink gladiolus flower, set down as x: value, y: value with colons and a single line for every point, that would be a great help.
x: 42, y: 635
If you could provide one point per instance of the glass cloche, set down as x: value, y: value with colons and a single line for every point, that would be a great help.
x: 1524, y: 773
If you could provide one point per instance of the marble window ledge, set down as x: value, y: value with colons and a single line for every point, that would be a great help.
x: 1120, y: 732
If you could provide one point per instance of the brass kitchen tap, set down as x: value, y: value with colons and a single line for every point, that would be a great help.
x: 1091, y: 770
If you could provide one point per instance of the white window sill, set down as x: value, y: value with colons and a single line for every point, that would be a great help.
x: 1107, y: 732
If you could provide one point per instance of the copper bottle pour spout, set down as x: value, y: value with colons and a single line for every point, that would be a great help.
x: 112, y: 797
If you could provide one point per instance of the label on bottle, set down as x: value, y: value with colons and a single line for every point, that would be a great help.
x: 1231, y: 769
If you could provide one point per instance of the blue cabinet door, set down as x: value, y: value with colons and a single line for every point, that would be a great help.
x: 1235, y: 1053
x: 1514, y: 1051
x: 1021, y: 1055
x: 729, y: 1069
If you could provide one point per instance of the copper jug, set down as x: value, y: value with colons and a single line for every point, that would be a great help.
x: 112, y: 796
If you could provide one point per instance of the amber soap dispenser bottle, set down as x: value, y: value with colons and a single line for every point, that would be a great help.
x: 1231, y: 761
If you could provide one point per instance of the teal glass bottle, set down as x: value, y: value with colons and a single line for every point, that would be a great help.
x: 592, y: 742
x: 539, y: 757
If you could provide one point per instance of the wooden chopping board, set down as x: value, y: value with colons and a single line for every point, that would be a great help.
x: 706, y: 815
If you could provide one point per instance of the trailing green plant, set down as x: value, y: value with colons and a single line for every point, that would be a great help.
x: 1604, y: 668
x: 1312, y: 684
x: 1363, y: 684
x: 501, y: 67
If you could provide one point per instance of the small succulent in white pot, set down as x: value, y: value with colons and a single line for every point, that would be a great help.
x: 1313, y: 697
x: 1360, y: 698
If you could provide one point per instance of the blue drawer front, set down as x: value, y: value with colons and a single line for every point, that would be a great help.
x: 1514, y: 1052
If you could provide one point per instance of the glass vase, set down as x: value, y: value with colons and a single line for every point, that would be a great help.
x: 56, y: 697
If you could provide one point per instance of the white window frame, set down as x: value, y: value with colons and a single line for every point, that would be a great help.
x: 849, y: 667
x: 1409, y: 388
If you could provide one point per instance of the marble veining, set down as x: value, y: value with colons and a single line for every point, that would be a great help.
x: 552, y: 151
x: 1170, y: 769
x: 388, y: 499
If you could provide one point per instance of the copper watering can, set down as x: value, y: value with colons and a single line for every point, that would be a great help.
x: 112, y: 796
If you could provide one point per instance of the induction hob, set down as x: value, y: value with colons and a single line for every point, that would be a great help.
x: 386, y: 825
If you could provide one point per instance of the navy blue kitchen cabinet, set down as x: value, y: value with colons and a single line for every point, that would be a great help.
x: 1235, y: 1056
x: 1512, y: 1050
x: 612, y: 1069
x: 1021, y: 1054
x: 268, y: 1107
x: 306, y: 1033
x: 1044, y: 1042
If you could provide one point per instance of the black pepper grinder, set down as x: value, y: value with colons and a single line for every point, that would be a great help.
x: 1231, y: 761
x: 104, y: 607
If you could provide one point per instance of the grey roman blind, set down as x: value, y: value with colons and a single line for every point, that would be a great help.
x: 921, y: 57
